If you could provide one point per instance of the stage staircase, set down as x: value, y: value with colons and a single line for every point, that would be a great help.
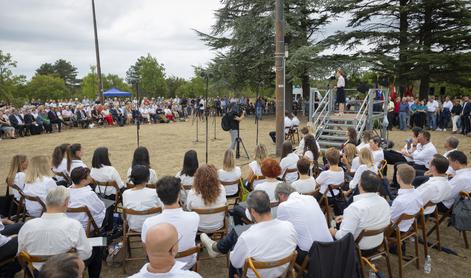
x: 366, y: 114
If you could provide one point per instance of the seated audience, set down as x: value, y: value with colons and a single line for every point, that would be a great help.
x: 437, y: 188
x: 190, y: 165
x: 75, y: 158
x: 408, y: 200
x: 186, y: 223
x: 311, y: 151
x: 376, y: 150
x: 365, y: 140
x: 288, y: 162
x: 37, y: 183
x: 64, y: 265
x: 271, y: 170
x: 54, y: 233
x: 141, y: 157
x: 60, y: 163
x: 349, y: 154
x: 369, y: 211
x: 16, y: 174
x: 305, y: 183
x: 139, y: 197
x: 8, y: 247
x: 461, y: 181
x: 366, y: 164
x: 305, y: 131
x: 162, y: 244
x: 254, y: 242
x: 255, y: 169
x: 229, y: 173
x: 306, y: 216
x: 102, y: 171
x: 451, y: 144
x: 81, y: 195
x: 333, y: 176
x: 351, y: 136
x: 207, y: 193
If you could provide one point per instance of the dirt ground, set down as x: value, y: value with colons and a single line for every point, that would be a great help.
x: 167, y: 144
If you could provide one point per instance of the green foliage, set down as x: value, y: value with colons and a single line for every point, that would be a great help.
x: 89, y: 87
x: 173, y: 84
x: 193, y: 88
x: 10, y: 85
x: 150, y: 75
x: 46, y: 87
x: 61, y: 68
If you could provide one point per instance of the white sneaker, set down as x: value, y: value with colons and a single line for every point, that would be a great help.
x: 444, y: 129
x: 438, y: 129
x: 208, y: 243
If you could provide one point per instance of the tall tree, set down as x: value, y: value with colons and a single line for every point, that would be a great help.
x: 173, y: 84
x: 45, y: 87
x: 89, y: 85
x: 61, y: 68
x: 46, y: 69
x: 9, y: 83
x: 150, y: 74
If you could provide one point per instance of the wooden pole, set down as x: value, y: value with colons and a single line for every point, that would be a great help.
x: 97, y: 52
x: 279, y: 65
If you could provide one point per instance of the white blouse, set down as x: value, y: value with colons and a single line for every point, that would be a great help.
x: 62, y: 168
x: 304, y: 186
x: 40, y: 187
x: 84, y: 196
x: 289, y: 162
x: 227, y: 176
x: 20, y: 182
x: 329, y: 177
x: 212, y: 222
x: 257, y: 170
x: 140, y: 199
x: 152, y: 176
x: 356, y: 178
x: 106, y: 174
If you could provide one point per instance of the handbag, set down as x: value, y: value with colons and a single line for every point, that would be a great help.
x: 339, y: 202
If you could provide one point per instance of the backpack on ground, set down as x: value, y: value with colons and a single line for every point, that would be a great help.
x: 461, y: 215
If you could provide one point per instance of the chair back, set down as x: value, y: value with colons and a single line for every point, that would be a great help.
x: 237, y: 182
x: 113, y: 184
x: 65, y: 176
x: 464, y: 195
x: 90, y: 223
x: 33, y: 199
x: 130, y: 185
x: 256, y: 265
x: 382, y: 167
x: 127, y: 211
x: 189, y: 252
x: 333, y: 186
x: 369, y: 233
x: 288, y: 171
x: 314, y: 193
x: 26, y: 261
x: 274, y: 204
x: 209, y: 211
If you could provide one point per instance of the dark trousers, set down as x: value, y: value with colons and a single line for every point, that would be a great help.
x: 47, y: 127
x: 390, y: 120
x: 20, y: 129
x: 94, y: 262
x: 465, y: 125
x: 225, y: 245
x: 57, y: 122
x: 9, y: 250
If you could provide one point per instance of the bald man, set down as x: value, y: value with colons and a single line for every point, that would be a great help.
x: 161, y: 248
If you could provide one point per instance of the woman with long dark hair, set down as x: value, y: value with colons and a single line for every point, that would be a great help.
x: 141, y: 157
x: 190, y: 165
x: 102, y: 171
x: 289, y: 161
x: 74, y: 158
x: 60, y: 163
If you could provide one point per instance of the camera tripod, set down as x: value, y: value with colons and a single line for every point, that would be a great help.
x: 238, y: 143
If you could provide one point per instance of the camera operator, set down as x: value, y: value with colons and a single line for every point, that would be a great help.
x: 235, y: 117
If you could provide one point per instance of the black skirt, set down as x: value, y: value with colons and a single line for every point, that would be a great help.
x: 341, y: 95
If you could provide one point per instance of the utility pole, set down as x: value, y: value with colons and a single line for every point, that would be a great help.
x: 97, y: 51
x: 279, y: 70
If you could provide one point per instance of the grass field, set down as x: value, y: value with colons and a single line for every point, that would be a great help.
x: 167, y: 144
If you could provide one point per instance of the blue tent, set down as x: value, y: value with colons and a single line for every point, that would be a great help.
x: 113, y: 92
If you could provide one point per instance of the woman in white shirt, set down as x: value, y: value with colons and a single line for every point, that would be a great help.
x: 288, y: 162
x: 102, y: 171
x: 16, y: 175
x: 74, y: 159
x: 366, y: 164
x: 271, y: 170
x: 255, y: 166
x: 141, y: 157
x: 37, y: 183
x: 311, y: 152
x: 140, y: 197
x: 333, y: 176
x: 207, y: 193
x: 365, y: 139
x: 190, y: 164
x: 305, y: 183
x: 375, y: 147
x: 82, y: 195
x: 60, y: 163
x: 349, y: 154
x: 229, y: 173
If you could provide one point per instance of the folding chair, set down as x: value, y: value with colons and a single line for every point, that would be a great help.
x: 64, y: 176
x: 128, y: 234
x: 90, y: 223
x: 19, y: 204
x: 26, y: 262
x: 424, y: 222
x: 194, y: 250
x: 380, y: 251
x: 220, y: 233
x: 236, y: 198
x: 30, y: 198
x: 399, y: 238
x: 252, y: 179
x: 130, y: 185
x: 383, y: 165
x: 117, y: 198
x: 256, y: 265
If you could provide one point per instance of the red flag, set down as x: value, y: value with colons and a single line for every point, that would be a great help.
x: 393, y: 92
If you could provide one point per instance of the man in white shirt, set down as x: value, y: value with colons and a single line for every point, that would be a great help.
x: 304, y: 213
x: 254, y: 242
x: 8, y: 247
x: 451, y: 144
x: 460, y: 182
x: 432, y: 106
x: 186, y: 223
x: 446, y: 114
x: 54, y: 233
x: 437, y: 188
x: 162, y: 242
x: 287, y: 126
x: 408, y: 200
x: 369, y: 211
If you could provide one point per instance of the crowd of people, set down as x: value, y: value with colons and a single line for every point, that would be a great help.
x: 281, y: 198
x: 433, y: 114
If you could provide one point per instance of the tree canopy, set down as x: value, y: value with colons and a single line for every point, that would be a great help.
x: 61, y: 68
x: 150, y: 75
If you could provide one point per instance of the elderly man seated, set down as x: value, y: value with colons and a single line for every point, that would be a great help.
x: 54, y: 233
x: 161, y: 248
x: 265, y: 241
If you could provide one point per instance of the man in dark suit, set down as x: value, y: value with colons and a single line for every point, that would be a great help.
x: 52, y: 115
x: 117, y: 115
x: 17, y: 122
x: 465, y: 114
x: 82, y: 117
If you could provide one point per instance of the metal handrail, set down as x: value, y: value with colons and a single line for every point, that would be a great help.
x: 322, y: 106
x: 363, y: 105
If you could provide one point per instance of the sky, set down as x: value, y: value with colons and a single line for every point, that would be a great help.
x: 39, y: 31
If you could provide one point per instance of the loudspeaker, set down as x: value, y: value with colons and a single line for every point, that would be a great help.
x: 442, y: 91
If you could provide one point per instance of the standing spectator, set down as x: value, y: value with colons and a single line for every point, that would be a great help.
x: 455, y: 113
x: 403, y: 113
x: 465, y: 114
x: 432, y: 107
x: 445, y: 115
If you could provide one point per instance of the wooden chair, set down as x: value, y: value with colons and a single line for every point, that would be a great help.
x: 64, y: 176
x: 128, y: 234
x: 220, y: 233
x: 323, y: 203
x: 380, y: 251
x: 383, y: 164
x: 256, y: 265
x: 187, y: 187
x: 19, y: 204
x: 399, y: 238
x: 26, y: 262
x: 251, y: 179
x: 434, y: 218
x: 237, y: 182
x: 288, y: 171
x: 113, y: 184
x: 194, y: 250
x: 92, y: 228
x: 30, y: 198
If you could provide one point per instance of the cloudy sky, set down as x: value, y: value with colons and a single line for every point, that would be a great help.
x: 39, y: 31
